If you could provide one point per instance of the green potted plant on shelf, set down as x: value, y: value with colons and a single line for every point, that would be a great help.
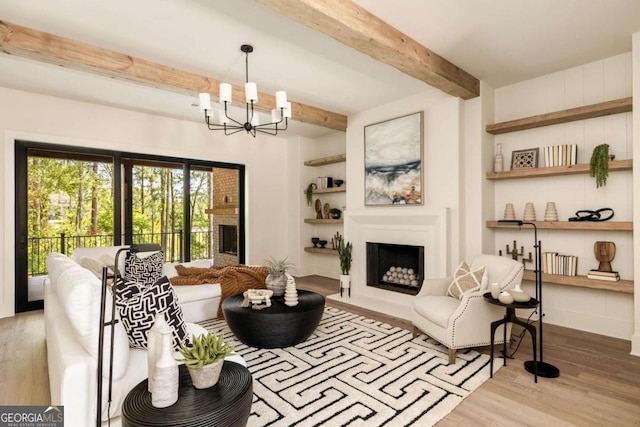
x: 344, y: 253
x: 599, y: 164
x: 335, y: 213
x: 308, y: 192
x: 204, y: 358
x: 277, y: 279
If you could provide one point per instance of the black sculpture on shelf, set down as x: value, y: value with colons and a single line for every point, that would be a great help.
x: 544, y: 369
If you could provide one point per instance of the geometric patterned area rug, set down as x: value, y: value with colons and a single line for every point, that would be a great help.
x: 355, y: 371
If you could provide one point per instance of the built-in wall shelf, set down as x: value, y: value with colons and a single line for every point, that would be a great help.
x: 221, y: 211
x: 573, y: 225
x: 325, y: 251
x: 323, y: 221
x: 326, y: 160
x: 615, y: 165
x: 624, y: 286
x: 563, y: 116
x: 340, y: 189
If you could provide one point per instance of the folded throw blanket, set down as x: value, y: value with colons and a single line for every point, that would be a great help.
x: 233, y: 280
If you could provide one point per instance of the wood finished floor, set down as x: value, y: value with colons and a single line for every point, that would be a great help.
x: 599, y: 383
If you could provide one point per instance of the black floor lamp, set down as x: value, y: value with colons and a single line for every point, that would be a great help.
x: 147, y: 247
x: 544, y: 370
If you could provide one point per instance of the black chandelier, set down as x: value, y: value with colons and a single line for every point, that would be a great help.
x: 282, y: 112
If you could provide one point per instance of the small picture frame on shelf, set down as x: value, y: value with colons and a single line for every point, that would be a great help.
x: 524, y: 159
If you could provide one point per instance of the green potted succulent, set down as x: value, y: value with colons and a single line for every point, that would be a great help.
x: 599, y: 164
x: 335, y: 213
x: 277, y: 279
x: 344, y: 253
x: 204, y: 358
x: 308, y: 192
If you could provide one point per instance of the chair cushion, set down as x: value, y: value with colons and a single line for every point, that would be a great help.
x: 436, y: 308
x: 466, y: 280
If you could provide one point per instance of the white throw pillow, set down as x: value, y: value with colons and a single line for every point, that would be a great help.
x: 466, y: 280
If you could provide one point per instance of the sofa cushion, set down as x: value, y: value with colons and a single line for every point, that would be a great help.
x: 79, y: 293
x: 138, y: 306
x: 96, y: 265
x: 144, y: 270
x: 169, y: 268
x: 466, y: 280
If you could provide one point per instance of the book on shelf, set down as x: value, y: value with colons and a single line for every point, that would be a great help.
x: 604, y: 273
x: 562, y: 265
x: 604, y: 278
x: 561, y: 155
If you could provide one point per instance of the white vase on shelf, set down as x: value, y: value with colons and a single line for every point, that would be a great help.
x: 498, y: 162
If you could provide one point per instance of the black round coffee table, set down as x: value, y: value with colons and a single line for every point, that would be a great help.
x: 277, y: 326
x: 228, y: 403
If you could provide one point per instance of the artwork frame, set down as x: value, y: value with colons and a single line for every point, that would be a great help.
x: 393, y: 159
x: 524, y: 159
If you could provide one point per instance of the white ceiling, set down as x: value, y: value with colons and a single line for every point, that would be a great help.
x: 498, y: 41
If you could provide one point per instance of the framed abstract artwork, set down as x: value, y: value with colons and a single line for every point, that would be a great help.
x: 393, y: 161
x: 524, y: 159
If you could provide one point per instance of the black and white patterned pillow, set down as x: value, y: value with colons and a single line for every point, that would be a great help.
x: 145, y: 271
x: 138, y: 306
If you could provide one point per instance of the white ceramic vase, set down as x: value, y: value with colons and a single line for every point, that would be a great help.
x: 494, y: 288
x: 165, y: 375
x: 154, y: 345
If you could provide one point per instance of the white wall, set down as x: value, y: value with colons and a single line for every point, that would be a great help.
x: 635, y: 339
x: 608, y: 313
x: 441, y: 187
x: 40, y: 118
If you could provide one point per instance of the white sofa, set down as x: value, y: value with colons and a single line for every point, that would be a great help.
x: 72, y: 310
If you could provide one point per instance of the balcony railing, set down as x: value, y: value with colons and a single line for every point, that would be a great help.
x: 38, y: 248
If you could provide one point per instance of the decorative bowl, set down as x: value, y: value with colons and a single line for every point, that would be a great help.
x: 505, y: 298
x: 315, y: 241
x: 338, y: 182
x: 520, y: 296
x: 322, y: 243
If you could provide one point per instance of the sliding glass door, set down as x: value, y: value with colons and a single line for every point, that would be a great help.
x: 68, y: 197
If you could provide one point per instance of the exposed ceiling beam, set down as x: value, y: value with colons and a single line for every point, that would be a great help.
x: 355, y: 27
x: 37, y: 45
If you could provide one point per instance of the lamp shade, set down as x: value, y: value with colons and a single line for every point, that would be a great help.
x: 281, y: 99
x: 287, y: 111
x: 251, y: 92
x: 205, y: 101
x: 223, y: 118
x: 225, y: 92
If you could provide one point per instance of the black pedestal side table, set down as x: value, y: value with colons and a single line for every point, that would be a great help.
x: 510, y: 317
x: 277, y: 326
x: 228, y: 403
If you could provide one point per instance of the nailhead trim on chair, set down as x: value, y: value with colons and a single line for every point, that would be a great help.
x: 453, y: 330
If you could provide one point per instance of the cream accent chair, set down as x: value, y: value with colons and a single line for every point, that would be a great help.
x: 466, y: 322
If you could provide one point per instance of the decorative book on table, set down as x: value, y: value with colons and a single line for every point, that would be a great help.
x: 609, y: 276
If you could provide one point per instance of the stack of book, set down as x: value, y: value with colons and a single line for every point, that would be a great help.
x: 563, y: 265
x: 609, y: 276
x: 561, y: 155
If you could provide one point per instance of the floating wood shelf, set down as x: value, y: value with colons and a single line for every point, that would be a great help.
x: 624, y: 286
x: 573, y: 225
x: 616, y: 165
x: 563, y: 116
x: 221, y: 211
x: 340, y: 189
x: 325, y: 251
x: 323, y: 221
x: 326, y: 160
